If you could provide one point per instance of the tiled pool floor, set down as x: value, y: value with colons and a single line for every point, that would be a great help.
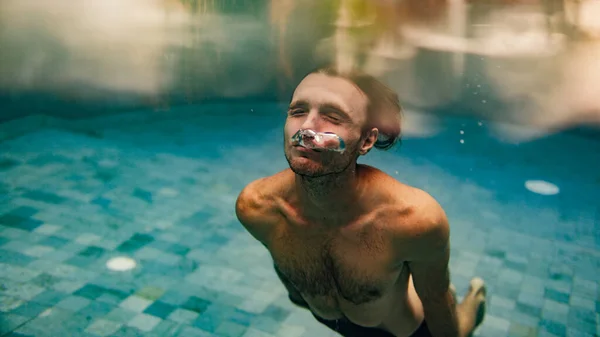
x: 163, y: 194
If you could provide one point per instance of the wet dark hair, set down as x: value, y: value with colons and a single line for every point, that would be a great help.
x: 383, y: 108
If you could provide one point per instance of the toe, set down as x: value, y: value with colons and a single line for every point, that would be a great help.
x: 477, y: 286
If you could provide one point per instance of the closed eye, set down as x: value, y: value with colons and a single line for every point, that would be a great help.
x: 334, y: 118
x: 295, y: 112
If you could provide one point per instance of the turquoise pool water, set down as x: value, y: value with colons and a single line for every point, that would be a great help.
x: 162, y: 194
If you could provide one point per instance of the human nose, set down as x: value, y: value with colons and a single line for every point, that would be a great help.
x: 311, y: 122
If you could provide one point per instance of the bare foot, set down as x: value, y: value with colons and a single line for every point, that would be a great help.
x: 478, y: 291
x: 472, y: 309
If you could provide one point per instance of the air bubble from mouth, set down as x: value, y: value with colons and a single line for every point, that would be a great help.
x: 319, y: 141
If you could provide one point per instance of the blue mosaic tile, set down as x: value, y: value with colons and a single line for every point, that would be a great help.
x: 205, y: 323
x: 176, y: 298
x: 92, y: 252
x: 183, y: 316
x: 120, y: 315
x: 154, y: 267
x: 507, y: 291
x: 196, y: 304
x: 556, y: 296
x: 96, y: 309
x: 113, y: 298
x: 90, y: 291
x: 159, y: 309
x: 142, y: 238
x: 29, y: 309
x: 113, y: 285
x: 189, y: 331
x: 518, y: 330
x: 499, y: 254
x: 523, y: 319
x: 129, y: 247
x: 581, y: 319
x: 576, y: 333
x: 241, y: 317
x: 45, y: 159
x: 228, y: 299
x: 49, y: 198
x: 102, y: 202
x: 135, y: 303
x: 143, y: 195
x: 15, y: 258
x: 75, y: 177
x: 553, y: 327
x: 105, y: 176
x: 126, y: 331
x: 81, y: 262
x: 277, y: 313
x: 172, y: 248
x: 73, y: 303
x: 8, y: 163
x: 16, y: 334
x: 103, y: 327
x: 196, y: 218
x: 516, y: 266
x: 564, y: 286
x: 167, y: 329
x: 14, y: 221
x: 266, y: 324
x: 217, y: 239
x: 528, y: 309
x: 23, y: 211
x: 134, y: 243
x: 555, y: 316
x: 537, y: 269
x: 57, y: 323
x: 49, y: 297
x: 53, y: 241
x: 231, y: 329
x: 560, y: 276
x: 11, y: 322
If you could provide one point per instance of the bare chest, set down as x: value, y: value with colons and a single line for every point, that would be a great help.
x: 358, y: 268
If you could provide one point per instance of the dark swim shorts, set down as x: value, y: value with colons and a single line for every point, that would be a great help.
x: 348, y: 329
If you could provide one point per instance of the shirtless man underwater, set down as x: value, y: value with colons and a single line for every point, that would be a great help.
x: 366, y: 254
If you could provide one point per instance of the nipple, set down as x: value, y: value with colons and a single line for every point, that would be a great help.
x: 326, y: 141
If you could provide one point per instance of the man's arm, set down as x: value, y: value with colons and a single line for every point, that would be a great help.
x: 428, y: 262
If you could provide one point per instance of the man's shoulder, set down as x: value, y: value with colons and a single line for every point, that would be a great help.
x: 408, y: 201
x: 414, y: 213
x: 265, y: 188
x: 256, y: 205
x: 416, y: 223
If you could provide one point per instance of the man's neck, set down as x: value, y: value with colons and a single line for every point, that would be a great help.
x: 330, y: 196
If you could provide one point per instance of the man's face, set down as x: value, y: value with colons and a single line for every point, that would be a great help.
x: 325, y: 104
